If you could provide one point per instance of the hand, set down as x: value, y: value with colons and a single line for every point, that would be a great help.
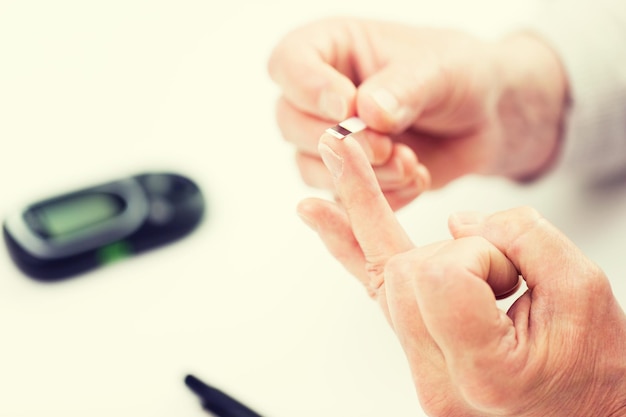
x: 559, y: 351
x: 461, y: 104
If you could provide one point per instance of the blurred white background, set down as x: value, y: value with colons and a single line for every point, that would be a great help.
x: 251, y: 302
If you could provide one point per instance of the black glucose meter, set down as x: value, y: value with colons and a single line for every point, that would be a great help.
x: 69, y: 234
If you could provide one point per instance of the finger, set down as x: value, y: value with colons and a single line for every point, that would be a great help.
x: 401, y: 181
x: 403, y: 178
x: 298, y: 128
x: 400, y: 168
x: 457, y: 304
x: 303, y: 130
x: 543, y: 255
x: 304, y: 64
x: 448, y: 158
x: 392, y: 99
x: 332, y: 224
x: 313, y: 172
x: 501, y: 289
x: 374, y: 224
x: 401, y: 197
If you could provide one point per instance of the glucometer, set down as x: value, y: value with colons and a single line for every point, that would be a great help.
x: 66, y: 235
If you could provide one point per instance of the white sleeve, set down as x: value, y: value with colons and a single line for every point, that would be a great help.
x: 590, y: 38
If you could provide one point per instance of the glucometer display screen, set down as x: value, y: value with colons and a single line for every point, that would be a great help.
x: 61, y: 217
x: 68, y: 234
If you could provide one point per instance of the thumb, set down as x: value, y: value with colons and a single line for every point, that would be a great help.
x: 393, y: 98
x: 545, y: 257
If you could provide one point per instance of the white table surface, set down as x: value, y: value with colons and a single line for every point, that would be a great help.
x: 251, y: 302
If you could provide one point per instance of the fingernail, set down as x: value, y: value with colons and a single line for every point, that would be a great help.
x: 467, y: 218
x: 388, y: 103
x: 507, y: 294
x: 333, y: 162
x: 333, y: 106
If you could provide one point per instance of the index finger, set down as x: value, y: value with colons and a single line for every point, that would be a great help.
x: 305, y: 66
x: 373, y: 222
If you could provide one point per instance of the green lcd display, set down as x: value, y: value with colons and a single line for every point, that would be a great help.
x: 70, y: 215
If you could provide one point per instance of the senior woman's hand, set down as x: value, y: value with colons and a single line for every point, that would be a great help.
x: 560, y: 350
x: 446, y: 99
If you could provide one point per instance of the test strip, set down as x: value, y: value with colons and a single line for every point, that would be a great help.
x: 347, y: 127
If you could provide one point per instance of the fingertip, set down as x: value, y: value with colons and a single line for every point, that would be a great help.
x: 406, y: 153
x: 337, y: 149
x: 333, y: 94
x: 332, y: 160
x: 306, y: 211
x: 423, y: 174
x: 408, y: 159
x: 381, y: 110
x: 310, y: 84
x: 390, y: 100
x: 334, y: 105
x: 320, y: 214
x: 378, y: 147
x: 326, y: 139
x: 402, y: 168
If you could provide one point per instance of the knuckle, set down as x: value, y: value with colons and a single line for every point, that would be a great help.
x: 432, y: 269
x: 523, y: 216
x: 396, y: 266
x: 527, y: 212
x: 383, y: 267
x: 376, y: 273
x: 519, y: 223
x: 417, y: 264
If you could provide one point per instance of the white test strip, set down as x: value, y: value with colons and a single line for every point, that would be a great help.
x: 347, y: 127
